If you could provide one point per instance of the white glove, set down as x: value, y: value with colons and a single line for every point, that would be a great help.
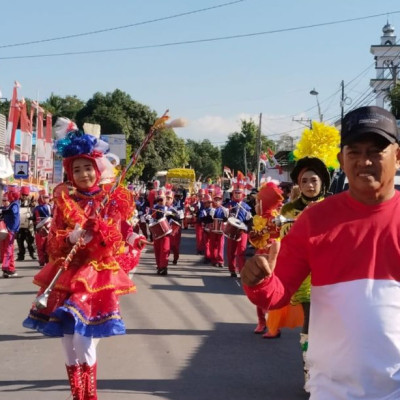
x: 74, y: 236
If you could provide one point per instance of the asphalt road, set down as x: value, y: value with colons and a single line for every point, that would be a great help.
x: 189, y: 337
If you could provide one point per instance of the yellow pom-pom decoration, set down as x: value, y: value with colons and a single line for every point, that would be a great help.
x: 322, y: 141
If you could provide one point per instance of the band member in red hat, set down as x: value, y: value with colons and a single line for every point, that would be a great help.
x: 174, y: 217
x: 219, y: 216
x: 42, y: 220
x: 25, y: 232
x: 236, y: 249
x: 10, y: 216
x: 84, y: 304
x: 199, y: 225
x: 162, y: 244
x: 205, y: 217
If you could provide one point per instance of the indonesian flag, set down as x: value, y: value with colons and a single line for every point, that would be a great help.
x: 48, y: 143
x: 40, y: 141
x: 13, y: 118
x: 273, y: 163
x: 250, y: 181
x: 26, y: 133
x: 228, y: 172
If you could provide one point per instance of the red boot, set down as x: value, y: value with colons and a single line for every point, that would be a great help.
x: 89, y: 374
x: 75, y: 381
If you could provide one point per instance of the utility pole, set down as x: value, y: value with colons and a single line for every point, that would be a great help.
x: 245, y: 159
x: 258, y: 152
x: 342, y: 104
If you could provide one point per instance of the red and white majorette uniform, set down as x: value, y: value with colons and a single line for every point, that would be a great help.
x: 42, y: 218
x: 205, y: 219
x: 162, y: 244
x: 189, y: 211
x: 199, y: 225
x: 89, y: 288
x: 236, y: 249
x: 174, y: 217
x: 84, y: 243
x: 219, y: 216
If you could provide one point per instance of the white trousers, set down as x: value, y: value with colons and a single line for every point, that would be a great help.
x: 79, y: 349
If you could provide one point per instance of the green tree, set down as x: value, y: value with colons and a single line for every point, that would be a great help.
x: 204, y: 158
x: 4, y: 107
x: 117, y: 113
x: 242, y: 145
x: 58, y: 106
x: 394, y: 96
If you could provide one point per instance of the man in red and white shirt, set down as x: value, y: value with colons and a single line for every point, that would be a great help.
x: 350, y: 243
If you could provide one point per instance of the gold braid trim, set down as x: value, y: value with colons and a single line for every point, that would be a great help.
x: 105, y: 287
x: 100, y: 266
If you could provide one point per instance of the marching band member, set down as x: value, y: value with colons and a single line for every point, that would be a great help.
x: 84, y: 304
x: 217, y: 239
x: 25, y: 232
x: 205, y: 218
x: 143, y: 207
x: 189, y: 207
x: 10, y: 216
x: 199, y: 225
x: 174, y: 214
x: 162, y: 245
x: 236, y: 249
x: 41, y: 213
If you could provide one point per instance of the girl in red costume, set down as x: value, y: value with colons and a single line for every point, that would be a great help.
x: 84, y: 304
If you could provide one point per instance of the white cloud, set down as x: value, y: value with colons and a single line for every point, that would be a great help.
x: 217, y: 128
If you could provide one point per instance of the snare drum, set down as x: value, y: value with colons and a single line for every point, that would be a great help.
x: 43, y: 227
x: 160, y: 228
x: 3, y: 230
x: 217, y: 226
x: 175, y: 226
x: 233, y: 228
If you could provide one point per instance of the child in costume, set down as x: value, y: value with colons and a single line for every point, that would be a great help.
x: 84, y: 303
x: 265, y: 230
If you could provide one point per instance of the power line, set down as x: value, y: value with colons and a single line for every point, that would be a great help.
x: 199, y: 40
x: 120, y: 27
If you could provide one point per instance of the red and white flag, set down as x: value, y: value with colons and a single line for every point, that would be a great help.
x: 26, y: 133
x: 228, y: 172
x: 48, y: 142
x: 13, y: 118
x: 40, y: 142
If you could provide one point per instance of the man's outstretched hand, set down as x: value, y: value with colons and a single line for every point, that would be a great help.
x: 259, y: 267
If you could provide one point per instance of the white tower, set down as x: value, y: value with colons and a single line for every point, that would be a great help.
x: 387, y: 61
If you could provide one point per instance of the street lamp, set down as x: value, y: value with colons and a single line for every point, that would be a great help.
x: 315, y: 93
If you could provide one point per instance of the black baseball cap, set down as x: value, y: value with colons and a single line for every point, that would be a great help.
x: 366, y: 120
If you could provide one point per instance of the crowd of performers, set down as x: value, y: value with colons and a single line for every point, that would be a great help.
x: 91, y: 236
x: 225, y: 223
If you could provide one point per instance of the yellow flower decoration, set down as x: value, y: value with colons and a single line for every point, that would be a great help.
x: 259, y: 223
x: 323, y: 142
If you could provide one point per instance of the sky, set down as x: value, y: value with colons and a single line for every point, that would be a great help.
x: 264, y: 65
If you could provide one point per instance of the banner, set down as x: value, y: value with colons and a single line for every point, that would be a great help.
x: 26, y: 133
x: 40, y: 143
x: 48, y: 143
x: 13, y: 118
